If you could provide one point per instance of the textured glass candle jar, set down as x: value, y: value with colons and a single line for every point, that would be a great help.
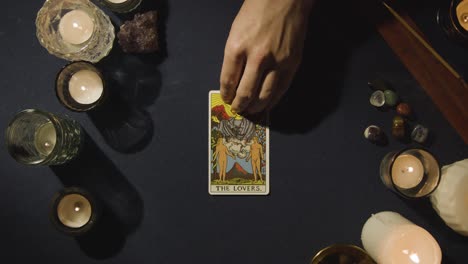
x: 412, y: 173
x: 121, y: 6
x: 74, y: 211
x: 80, y: 86
x: 90, y: 46
x: 35, y: 137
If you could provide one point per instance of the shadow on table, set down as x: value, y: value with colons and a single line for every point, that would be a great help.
x: 134, y: 83
x: 124, y: 127
x: 121, y: 205
x: 336, y: 28
x: 316, y: 90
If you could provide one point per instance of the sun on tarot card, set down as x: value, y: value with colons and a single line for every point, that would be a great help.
x: 238, y: 152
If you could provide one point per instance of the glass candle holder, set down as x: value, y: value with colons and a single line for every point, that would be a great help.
x: 74, y: 211
x: 342, y: 254
x: 121, y: 6
x: 74, y: 30
x: 412, y: 173
x: 36, y: 137
x: 453, y: 20
x: 80, y: 86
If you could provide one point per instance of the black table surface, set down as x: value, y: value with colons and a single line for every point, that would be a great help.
x: 324, y: 174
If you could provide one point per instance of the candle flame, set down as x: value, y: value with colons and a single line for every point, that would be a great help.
x: 414, y: 257
x: 77, y: 209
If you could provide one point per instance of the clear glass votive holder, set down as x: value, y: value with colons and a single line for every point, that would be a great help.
x: 36, y: 137
x: 74, y: 30
x: 450, y: 22
x: 342, y: 254
x: 80, y: 86
x: 121, y: 6
x: 411, y: 173
x: 74, y: 211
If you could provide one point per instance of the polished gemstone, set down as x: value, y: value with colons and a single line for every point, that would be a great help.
x: 398, y: 121
x: 420, y: 134
x: 373, y: 133
x: 403, y: 109
x: 398, y: 127
x: 391, y: 98
x: 377, y: 99
x: 398, y: 132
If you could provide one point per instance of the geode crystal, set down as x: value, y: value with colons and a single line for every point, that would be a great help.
x: 140, y: 35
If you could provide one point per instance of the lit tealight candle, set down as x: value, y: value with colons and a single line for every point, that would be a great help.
x: 407, y: 171
x: 462, y: 14
x: 74, y: 210
x: 86, y: 87
x: 122, y: 6
x: 76, y: 27
x: 412, y: 173
x: 45, y: 139
x: 117, y: 1
x: 390, y: 238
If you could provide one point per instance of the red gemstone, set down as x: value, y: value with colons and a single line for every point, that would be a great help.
x: 403, y: 109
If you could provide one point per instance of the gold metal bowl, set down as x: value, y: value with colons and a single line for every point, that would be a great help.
x: 342, y: 254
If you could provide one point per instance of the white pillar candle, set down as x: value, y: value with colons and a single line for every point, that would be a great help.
x: 390, y: 238
x: 76, y: 27
x: 117, y: 1
x: 74, y: 211
x: 450, y: 199
x: 85, y: 87
x: 407, y: 171
x: 45, y: 138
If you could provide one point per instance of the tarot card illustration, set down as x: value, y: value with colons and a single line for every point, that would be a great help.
x: 238, y: 152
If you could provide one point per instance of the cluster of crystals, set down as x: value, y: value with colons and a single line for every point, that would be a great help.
x: 140, y: 35
x: 384, y: 97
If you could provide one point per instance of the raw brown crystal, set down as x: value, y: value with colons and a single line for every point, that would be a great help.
x: 140, y: 35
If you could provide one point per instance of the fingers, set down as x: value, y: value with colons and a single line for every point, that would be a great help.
x: 270, y: 84
x: 233, y: 66
x: 248, y: 87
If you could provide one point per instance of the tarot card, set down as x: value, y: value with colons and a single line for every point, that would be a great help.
x: 238, y: 151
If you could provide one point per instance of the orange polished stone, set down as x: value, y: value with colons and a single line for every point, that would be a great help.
x: 403, y: 109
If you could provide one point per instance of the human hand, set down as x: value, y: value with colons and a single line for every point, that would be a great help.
x: 262, y: 53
